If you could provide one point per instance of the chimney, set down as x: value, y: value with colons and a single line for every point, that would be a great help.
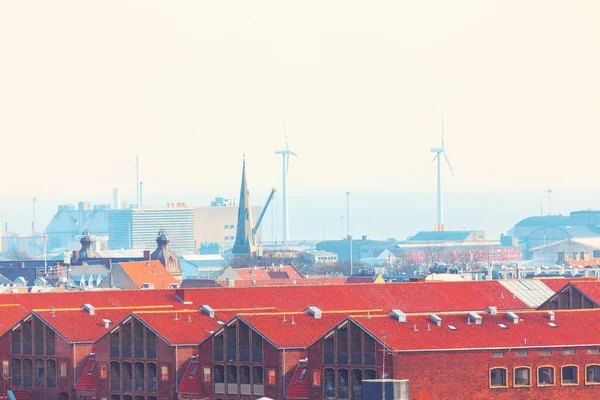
x: 182, y: 296
x: 364, y: 237
x: 551, y: 315
x: 314, y: 311
x: 512, y: 317
x: 492, y: 310
x: 21, y: 264
x: 206, y: 309
x: 147, y: 256
x: 575, y: 256
x: 436, y: 319
x: 585, y: 256
x: 89, y: 308
x: 476, y: 318
x: 107, y: 323
x: 398, y: 315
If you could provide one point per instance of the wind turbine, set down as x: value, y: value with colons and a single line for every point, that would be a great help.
x: 285, y: 157
x: 439, y: 151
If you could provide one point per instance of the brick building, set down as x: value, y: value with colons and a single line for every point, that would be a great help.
x: 299, y: 342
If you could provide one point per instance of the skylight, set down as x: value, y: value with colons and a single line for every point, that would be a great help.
x: 452, y: 327
x: 552, y: 324
x: 503, y: 326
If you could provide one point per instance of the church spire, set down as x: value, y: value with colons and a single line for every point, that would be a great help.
x: 244, y: 238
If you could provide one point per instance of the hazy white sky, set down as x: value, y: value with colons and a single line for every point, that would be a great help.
x: 191, y: 86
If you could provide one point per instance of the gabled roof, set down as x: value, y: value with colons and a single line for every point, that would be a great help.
x: 573, y: 328
x: 76, y: 325
x: 10, y: 315
x: 190, y: 381
x: 454, y: 236
x: 153, y: 272
x: 283, y: 272
x: 292, y: 330
x: 181, y: 327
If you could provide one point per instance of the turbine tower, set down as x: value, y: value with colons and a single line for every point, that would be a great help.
x: 285, y: 157
x: 439, y: 151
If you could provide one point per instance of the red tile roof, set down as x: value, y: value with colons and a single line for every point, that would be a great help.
x: 189, y: 383
x: 292, y: 331
x: 299, y: 387
x: 21, y: 395
x: 584, y: 263
x: 573, y: 328
x: 182, y: 327
x: 153, y: 272
x: 558, y: 283
x: 88, y: 380
x: 10, y: 315
x: 268, y: 273
x: 589, y: 288
x: 78, y: 326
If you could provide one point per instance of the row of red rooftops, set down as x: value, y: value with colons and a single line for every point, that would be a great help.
x: 403, y: 316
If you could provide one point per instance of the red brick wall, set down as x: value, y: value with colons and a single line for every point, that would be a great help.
x: 465, y: 375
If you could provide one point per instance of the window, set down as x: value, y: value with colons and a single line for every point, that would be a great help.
x: 270, y: 377
x: 522, y: 376
x: 545, y: 352
x: 568, y: 352
x: 498, y: 377
x: 592, y: 374
x: 103, y: 371
x: 569, y: 375
x: 521, y: 353
x: 497, y: 354
x: 63, y: 369
x: 206, y: 374
x: 316, y: 378
x: 5, y: 369
x: 545, y: 376
x: 164, y: 373
x: 593, y: 351
x: 194, y: 370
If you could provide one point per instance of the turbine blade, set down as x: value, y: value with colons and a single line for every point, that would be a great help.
x: 287, y: 147
x: 448, y: 161
x: 436, y: 156
x: 292, y: 153
x: 442, y: 128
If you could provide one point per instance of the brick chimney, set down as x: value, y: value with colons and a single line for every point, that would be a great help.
x: 147, y: 255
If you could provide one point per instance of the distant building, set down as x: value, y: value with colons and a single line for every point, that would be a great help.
x: 215, y: 225
x: 139, y: 275
x: 135, y: 228
x: 322, y: 257
x: 581, y: 252
x: 539, y: 231
x: 69, y: 221
x: 361, y: 248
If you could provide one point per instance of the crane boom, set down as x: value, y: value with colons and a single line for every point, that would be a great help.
x: 264, y: 210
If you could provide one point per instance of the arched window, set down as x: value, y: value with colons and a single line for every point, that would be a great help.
x: 592, y: 374
x: 498, y: 377
x: 219, y: 379
x: 522, y: 377
x: 115, y: 376
x: 15, y: 371
x: 329, y: 383
x: 40, y: 375
x: 569, y: 375
x: 50, y: 374
x: 546, y: 376
x: 342, y: 384
x: 356, y: 384
x: 152, y: 379
x: 27, y: 372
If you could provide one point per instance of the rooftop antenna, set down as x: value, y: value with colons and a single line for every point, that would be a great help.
x: 176, y: 317
x: 137, y: 180
x: 440, y: 151
x: 285, y: 157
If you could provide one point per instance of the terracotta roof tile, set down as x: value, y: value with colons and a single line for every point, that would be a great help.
x: 573, y: 328
x: 153, y: 272
x: 10, y: 315
x: 182, y: 327
x: 190, y: 381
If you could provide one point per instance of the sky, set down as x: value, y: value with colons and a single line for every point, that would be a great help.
x: 193, y: 86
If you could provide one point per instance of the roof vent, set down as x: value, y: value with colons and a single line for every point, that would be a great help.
x: 512, y: 317
x: 107, y: 323
x: 314, y: 311
x: 206, y: 309
x: 551, y: 315
x: 147, y: 285
x: 476, y: 318
x: 492, y: 310
x: 435, y: 319
x: 398, y: 315
x: 293, y: 322
x: 89, y: 308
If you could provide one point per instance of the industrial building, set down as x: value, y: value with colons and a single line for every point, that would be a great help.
x: 579, y: 252
x: 69, y: 221
x: 217, y: 224
x: 537, y: 231
x: 135, y: 228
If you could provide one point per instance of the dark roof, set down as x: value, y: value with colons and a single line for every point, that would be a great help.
x: 442, y: 236
x: 548, y: 220
x: 14, y: 273
x: 198, y: 283
x: 278, y: 275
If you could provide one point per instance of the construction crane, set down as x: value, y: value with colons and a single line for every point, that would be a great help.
x: 262, y: 213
